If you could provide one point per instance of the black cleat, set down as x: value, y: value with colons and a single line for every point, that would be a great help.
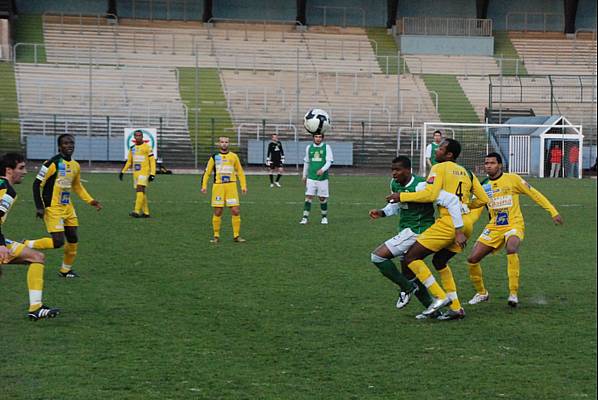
x: 135, y: 215
x: 145, y: 216
x: 43, y: 312
x: 68, y: 274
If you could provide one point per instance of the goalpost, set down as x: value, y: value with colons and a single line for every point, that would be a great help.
x: 526, y: 149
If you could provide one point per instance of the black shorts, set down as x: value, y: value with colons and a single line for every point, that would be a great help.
x: 275, y: 164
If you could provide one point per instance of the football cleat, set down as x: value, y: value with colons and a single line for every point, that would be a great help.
x: 436, y: 305
x: 303, y: 221
x: 324, y: 221
x: 68, y: 274
x: 145, y: 216
x: 215, y: 240
x: 43, y: 312
x: 239, y: 239
x: 405, y: 297
x: 277, y: 184
x: 479, y: 298
x: 134, y: 215
x: 422, y: 316
x: 513, y: 301
x: 451, y: 315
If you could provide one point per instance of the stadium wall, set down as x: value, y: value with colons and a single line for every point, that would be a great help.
x: 586, y: 15
x: 437, y: 8
x: 447, y: 45
x: 67, y: 6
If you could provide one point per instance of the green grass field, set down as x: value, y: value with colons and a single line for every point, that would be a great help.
x: 297, y: 312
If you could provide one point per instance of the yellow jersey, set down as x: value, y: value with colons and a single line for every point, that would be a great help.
x: 58, y: 178
x: 226, y: 168
x: 7, y: 198
x: 504, y: 205
x: 141, y: 159
x: 453, y: 178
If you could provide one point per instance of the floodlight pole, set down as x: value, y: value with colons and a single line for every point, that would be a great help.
x: 297, y: 113
x: 196, y: 122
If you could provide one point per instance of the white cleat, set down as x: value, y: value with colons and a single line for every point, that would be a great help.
x: 513, y: 301
x: 277, y: 184
x: 437, y: 305
x: 479, y: 298
x: 303, y: 221
x: 324, y: 221
x: 405, y: 297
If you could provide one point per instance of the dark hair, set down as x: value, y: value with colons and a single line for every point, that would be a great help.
x: 437, y: 131
x: 495, y: 155
x: 452, y: 146
x: 63, y: 136
x: 403, y: 160
x: 10, y: 160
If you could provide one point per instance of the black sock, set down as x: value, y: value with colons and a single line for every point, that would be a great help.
x: 278, y: 177
x: 271, y: 178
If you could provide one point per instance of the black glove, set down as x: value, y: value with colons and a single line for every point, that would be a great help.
x: 120, y: 176
x: 152, y: 177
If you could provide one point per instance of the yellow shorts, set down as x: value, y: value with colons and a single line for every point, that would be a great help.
x: 496, y: 237
x: 441, y: 235
x: 225, y: 194
x: 15, y: 249
x: 57, y: 217
x: 140, y: 179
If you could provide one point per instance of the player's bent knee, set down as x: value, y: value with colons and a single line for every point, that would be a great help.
x: 375, y: 258
x: 58, y: 242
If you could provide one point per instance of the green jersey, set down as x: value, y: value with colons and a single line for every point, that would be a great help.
x: 316, y: 157
x: 416, y: 216
x: 432, y: 152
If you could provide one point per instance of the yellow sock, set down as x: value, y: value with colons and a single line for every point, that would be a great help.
x: 35, y: 284
x: 138, y: 202
x: 513, y: 272
x: 145, y: 206
x: 70, y: 252
x: 236, y: 225
x: 475, y: 275
x: 40, y: 244
x: 216, y: 221
x: 448, y: 283
x: 423, y: 273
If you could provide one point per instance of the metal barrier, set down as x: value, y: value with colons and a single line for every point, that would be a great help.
x: 534, y: 21
x: 445, y: 26
x: 344, y: 11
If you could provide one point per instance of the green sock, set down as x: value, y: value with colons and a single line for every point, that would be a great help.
x: 422, y: 294
x: 306, y: 209
x: 324, y: 208
x: 390, y: 270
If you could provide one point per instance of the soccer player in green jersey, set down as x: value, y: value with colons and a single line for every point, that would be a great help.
x: 317, y: 161
x: 431, y: 149
x: 415, y: 218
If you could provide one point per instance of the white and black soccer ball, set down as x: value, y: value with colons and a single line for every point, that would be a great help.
x: 316, y: 121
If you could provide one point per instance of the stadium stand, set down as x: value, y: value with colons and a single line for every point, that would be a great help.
x: 556, y: 56
x: 51, y: 95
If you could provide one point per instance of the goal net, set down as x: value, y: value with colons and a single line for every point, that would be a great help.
x: 554, y: 148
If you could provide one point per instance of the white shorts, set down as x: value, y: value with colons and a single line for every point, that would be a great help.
x: 399, y: 244
x: 316, y: 188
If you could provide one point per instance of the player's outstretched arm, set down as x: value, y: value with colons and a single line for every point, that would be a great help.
x: 523, y: 187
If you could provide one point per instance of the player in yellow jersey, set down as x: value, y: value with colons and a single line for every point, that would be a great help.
x: 57, y: 179
x: 506, y: 226
x: 226, y: 167
x: 12, y: 171
x: 442, y: 238
x: 141, y: 159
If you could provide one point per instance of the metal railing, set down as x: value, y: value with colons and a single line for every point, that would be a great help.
x: 535, y: 21
x: 445, y: 26
x: 326, y: 14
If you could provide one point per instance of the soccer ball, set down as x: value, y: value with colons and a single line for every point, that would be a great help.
x: 316, y: 121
